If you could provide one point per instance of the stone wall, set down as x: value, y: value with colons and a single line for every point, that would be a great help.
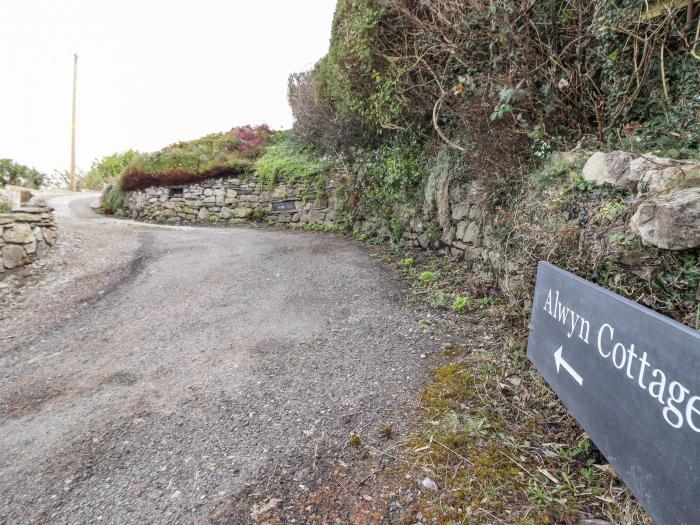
x: 230, y: 201
x: 26, y: 234
x: 667, y: 194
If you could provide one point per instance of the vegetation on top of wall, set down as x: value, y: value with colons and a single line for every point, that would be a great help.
x: 215, y: 155
x: 107, y: 170
x: 17, y: 174
x: 285, y: 160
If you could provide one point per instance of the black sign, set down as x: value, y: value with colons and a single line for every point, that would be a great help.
x: 631, y: 377
x: 284, y: 206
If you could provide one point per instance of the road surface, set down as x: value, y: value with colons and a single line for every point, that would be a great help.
x: 200, y: 375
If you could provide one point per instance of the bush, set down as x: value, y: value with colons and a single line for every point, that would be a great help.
x: 112, y: 200
x: 216, y: 155
x: 106, y: 171
x: 285, y: 160
x: 383, y: 185
x: 17, y: 174
x: 559, y: 68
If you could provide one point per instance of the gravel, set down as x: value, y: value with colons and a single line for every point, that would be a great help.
x: 200, y: 375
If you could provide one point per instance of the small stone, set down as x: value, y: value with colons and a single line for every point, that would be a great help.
x: 429, y: 484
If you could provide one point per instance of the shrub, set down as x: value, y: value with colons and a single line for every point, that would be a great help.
x: 216, y: 155
x: 561, y: 67
x: 112, y: 200
x: 285, y: 160
x: 5, y: 207
x: 17, y: 174
x: 106, y: 171
x: 383, y: 185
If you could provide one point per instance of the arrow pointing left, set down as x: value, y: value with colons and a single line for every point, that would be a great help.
x: 561, y: 362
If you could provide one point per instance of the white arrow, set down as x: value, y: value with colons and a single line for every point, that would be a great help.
x: 559, y: 360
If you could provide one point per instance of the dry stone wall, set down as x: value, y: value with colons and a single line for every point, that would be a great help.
x: 667, y: 190
x: 26, y: 234
x: 229, y: 201
x: 668, y: 211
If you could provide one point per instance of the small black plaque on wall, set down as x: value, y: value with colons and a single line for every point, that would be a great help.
x: 284, y: 206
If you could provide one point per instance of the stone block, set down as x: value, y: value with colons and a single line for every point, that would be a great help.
x: 19, y: 234
x: 461, y: 228
x: 460, y: 210
x: 242, y: 213
x: 12, y: 256
x: 670, y: 222
x: 471, y: 234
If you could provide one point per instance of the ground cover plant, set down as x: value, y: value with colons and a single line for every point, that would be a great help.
x: 492, y: 436
x: 286, y: 160
x: 215, y: 155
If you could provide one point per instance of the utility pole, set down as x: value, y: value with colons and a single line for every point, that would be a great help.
x: 73, y: 186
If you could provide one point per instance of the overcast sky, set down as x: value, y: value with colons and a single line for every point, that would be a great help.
x: 150, y: 72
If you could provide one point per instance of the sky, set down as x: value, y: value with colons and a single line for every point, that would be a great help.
x: 150, y: 72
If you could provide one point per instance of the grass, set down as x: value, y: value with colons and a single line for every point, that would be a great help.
x: 492, y: 434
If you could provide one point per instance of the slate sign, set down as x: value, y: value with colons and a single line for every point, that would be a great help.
x: 631, y: 377
x: 284, y: 206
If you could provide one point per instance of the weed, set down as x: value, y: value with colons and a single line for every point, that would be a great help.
x: 438, y: 300
x: 406, y: 262
x: 258, y: 214
x: 385, y: 432
x: 484, y: 302
x: 354, y: 441
x: 428, y: 277
x: 612, y: 210
x: 461, y: 304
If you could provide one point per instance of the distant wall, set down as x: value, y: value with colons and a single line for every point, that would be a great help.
x: 229, y: 201
x: 26, y: 234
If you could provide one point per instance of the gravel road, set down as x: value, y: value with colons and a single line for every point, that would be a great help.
x: 202, y: 375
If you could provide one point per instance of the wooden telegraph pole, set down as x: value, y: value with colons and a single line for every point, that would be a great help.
x: 73, y: 185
